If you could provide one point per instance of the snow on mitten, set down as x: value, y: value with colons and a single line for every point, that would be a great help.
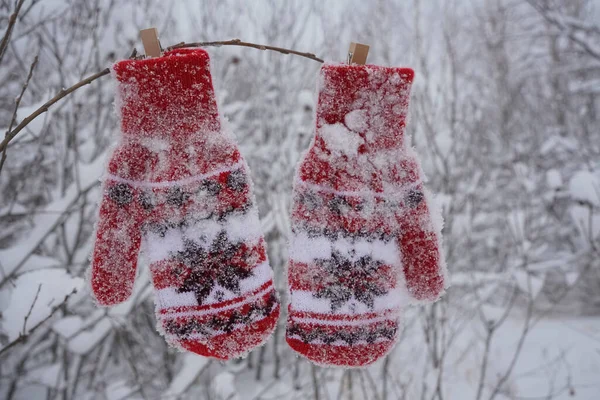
x: 364, y: 244
x: 178, y: 187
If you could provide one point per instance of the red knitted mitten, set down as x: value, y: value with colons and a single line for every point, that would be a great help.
x: 364, y: 244
x: 178, y: 187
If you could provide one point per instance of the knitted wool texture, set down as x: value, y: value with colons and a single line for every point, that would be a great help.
x: 364, y: 244
x: 178, y: 187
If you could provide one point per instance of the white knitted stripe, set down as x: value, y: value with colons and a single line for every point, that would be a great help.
x: 238, y: 227
x: 201, y: 336
x: 395, y: 299
x: 390, y: 317
x: 306, y: 249
x: 341, y: 343
x: 180, y: 182
x: 169, y: 297
x: 398, y: 191
x: 216, y: 310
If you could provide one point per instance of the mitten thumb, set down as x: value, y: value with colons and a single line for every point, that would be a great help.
x: 118, y: 234
x: 422, y: 258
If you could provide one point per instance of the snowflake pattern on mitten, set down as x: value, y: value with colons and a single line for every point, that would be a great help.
x: 178, y: 188
x: 365, y: 243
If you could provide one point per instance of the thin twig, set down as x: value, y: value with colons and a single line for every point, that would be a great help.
x: 288, y: 368
x: 7, y: 277
x: 545, y: 12
x: 517, y: 353
x: 9, y: 29
x: 31, y: 309
x: 369, y: 378
x: 484, y: 362
x: 65, y: 92
x: 17, y: 104
x: 238, y: 42
x: 60, y: 95
x: 22, y: 338
x: 313, y: 373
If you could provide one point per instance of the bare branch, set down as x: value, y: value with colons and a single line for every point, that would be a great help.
x: 17, y: 104
x: 313, y: 373
x: 9, y: 29
x: 22, y: 338
x: 60, y: 220
x: 570, y: 27
x: 65, y: 92
x: 238, y: 42
x: 60, y: 95
x: 24, y: 332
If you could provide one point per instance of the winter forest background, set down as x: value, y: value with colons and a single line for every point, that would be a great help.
x: 505, y: 114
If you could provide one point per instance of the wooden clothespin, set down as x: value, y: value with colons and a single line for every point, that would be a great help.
x: 151, y: 43
x: 357, y: 54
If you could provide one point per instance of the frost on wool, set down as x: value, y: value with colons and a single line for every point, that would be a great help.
x: 340, y: 140
x: 366, y: 242
x: 178, y: 188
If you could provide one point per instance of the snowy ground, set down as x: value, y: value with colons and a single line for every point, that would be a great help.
x: 559, y: 361
x: 560, y: 356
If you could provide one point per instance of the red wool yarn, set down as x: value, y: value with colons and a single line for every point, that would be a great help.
x: 178, y: 188
x: 364, y: 243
